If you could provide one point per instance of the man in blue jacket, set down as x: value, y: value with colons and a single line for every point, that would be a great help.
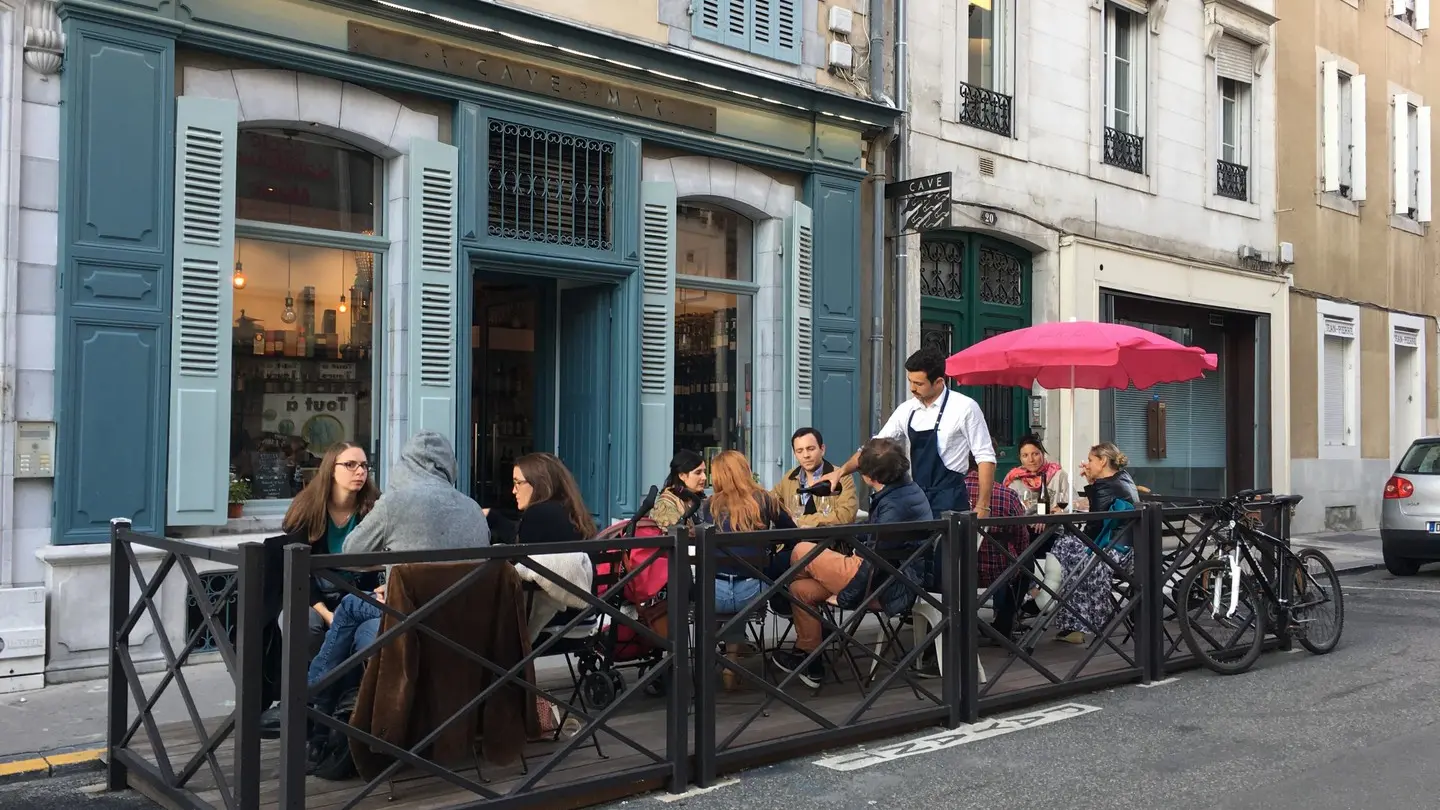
x: 855, y: 580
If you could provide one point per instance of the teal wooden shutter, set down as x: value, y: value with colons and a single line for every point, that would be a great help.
x: 200, y: 358
x: 776, y: 28
x: 657, y: 325
x: 800, y: 323
x: 724, y: 21
x: 433, y: 301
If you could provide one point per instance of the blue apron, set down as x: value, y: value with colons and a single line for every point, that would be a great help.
x: 944, y: 488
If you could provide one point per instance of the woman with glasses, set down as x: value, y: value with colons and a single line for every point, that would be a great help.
x: 323, y: 515
x: 551, y: 509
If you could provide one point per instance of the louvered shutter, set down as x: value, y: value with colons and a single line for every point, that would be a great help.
x: 1400, y: 132
x: 1359, y: 178
x: 800, y: 267
x: 723, y: 21
x: 433, y: 302
x: 776, y: 28
x: 202, y: 301
x: 657, y: 329
x: 1334, y: 388
x: 1423, y: 168
x: 1235, y: 59
x: 1330, y: 125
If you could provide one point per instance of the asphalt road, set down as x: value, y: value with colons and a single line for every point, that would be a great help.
x: 1359, y: 728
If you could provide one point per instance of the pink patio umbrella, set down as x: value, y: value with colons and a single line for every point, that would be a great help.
x: 1078, y: 354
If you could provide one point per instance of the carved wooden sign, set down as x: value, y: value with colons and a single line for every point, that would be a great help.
x: 528, y: 77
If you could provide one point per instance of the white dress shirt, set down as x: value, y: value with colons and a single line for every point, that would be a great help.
x: 962, y: 430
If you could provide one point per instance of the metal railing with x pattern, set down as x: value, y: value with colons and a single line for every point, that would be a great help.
x: 1098, y: 597
x: 914, y: 647
x: 870, y: 686
x: 228, y: 751
x: 653, y: 746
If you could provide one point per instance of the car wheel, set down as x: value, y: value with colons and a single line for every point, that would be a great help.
x: 1400, y: 566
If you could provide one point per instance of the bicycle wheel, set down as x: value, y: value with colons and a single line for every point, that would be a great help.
x: 1320, y: 611
x: 1219, y: 641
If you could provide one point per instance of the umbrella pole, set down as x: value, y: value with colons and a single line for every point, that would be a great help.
x: 1070, y: 440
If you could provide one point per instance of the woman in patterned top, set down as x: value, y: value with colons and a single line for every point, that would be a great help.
x: 684, y: 489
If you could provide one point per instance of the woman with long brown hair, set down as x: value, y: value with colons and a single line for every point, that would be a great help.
x: 340, y: 495
x: 739, y: 504
x: 551, y: 509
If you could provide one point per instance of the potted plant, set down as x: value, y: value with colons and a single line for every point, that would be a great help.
x: 239, y: 494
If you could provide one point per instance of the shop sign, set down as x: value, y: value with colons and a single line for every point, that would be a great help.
x: 320, y: 419
x: 924, y: 202
x: 337, y: 371
x: 505, y: 71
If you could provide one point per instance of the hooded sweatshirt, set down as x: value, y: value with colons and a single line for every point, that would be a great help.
x: 421, y: 510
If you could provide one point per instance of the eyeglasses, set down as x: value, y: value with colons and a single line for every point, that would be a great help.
x: 355, y: 466
x: 519, y: 482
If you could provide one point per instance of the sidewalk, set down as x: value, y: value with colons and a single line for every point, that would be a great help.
x: 1351, y: 552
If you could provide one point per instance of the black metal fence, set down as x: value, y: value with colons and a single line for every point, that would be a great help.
x: 957, y: 617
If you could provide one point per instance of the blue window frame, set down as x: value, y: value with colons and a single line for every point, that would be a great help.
x: 771, y: 28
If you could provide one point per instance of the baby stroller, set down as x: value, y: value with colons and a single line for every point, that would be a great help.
x: 611, y: 646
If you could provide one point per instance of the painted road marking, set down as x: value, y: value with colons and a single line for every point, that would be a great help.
x: 1405, y: 590
x: 695, y: 791
x: 1156, y: 683
x: 31, y: 768
x: 982, y: 730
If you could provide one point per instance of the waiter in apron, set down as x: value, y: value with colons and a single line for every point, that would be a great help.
x: 942, y: 430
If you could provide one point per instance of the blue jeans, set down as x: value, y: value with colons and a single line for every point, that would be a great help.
x: 735, y: 595
x: 354, y: 627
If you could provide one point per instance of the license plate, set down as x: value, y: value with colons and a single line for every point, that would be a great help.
x: 1434, y: 526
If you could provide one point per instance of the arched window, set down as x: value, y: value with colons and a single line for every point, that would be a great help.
x: 714, y: 329
x: 307, y: 255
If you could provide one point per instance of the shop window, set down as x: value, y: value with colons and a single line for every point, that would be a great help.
x: 303, y: 360
x: 550, y: 188
x: 714, y: 356
x: 288, y: 178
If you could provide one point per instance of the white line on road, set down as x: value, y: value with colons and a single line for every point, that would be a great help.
x: 1405, y: 590
x: 1156, y: 683
x: 982, y: 730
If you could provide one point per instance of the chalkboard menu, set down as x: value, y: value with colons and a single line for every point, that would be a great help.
x: 271, y: 476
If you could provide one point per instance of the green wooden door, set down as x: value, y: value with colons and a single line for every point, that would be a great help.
x: 973, y: 287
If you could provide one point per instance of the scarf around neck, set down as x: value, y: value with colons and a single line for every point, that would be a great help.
x: 1033, y: 480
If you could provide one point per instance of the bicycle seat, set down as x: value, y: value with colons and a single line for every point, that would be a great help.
x: 1249, y: 494
x: 1288, y: 500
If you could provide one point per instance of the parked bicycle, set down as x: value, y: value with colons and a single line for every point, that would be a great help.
x: 1229, y: 602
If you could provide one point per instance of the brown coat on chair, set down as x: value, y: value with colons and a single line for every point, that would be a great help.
x: 416, y: 682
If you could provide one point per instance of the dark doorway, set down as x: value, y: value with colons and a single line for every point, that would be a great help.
x: 509, y: 340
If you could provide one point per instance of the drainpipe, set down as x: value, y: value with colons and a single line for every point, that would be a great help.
x: 901, y: 171
x: 878, y: 147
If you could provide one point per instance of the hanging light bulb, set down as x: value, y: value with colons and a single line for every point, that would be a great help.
x: 239, y: 278
x: 288, y: 316
x: 343, y: 307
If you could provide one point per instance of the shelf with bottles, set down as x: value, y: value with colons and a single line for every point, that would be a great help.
x: 700, y: 334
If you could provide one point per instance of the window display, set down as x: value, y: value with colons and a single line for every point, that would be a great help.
x: 713, y: 372
x: 303, y: 350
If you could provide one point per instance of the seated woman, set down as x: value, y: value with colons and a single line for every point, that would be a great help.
x: 1038, y: 480
x: 340, y: 495
x: 682, y: 492
x: 885, y: 468
x: 551, y: 511
x: 739, y: 505
x: 1086, y: 606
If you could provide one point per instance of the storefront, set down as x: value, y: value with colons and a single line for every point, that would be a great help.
x: 382, y: 224
x: 1203, y: 438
